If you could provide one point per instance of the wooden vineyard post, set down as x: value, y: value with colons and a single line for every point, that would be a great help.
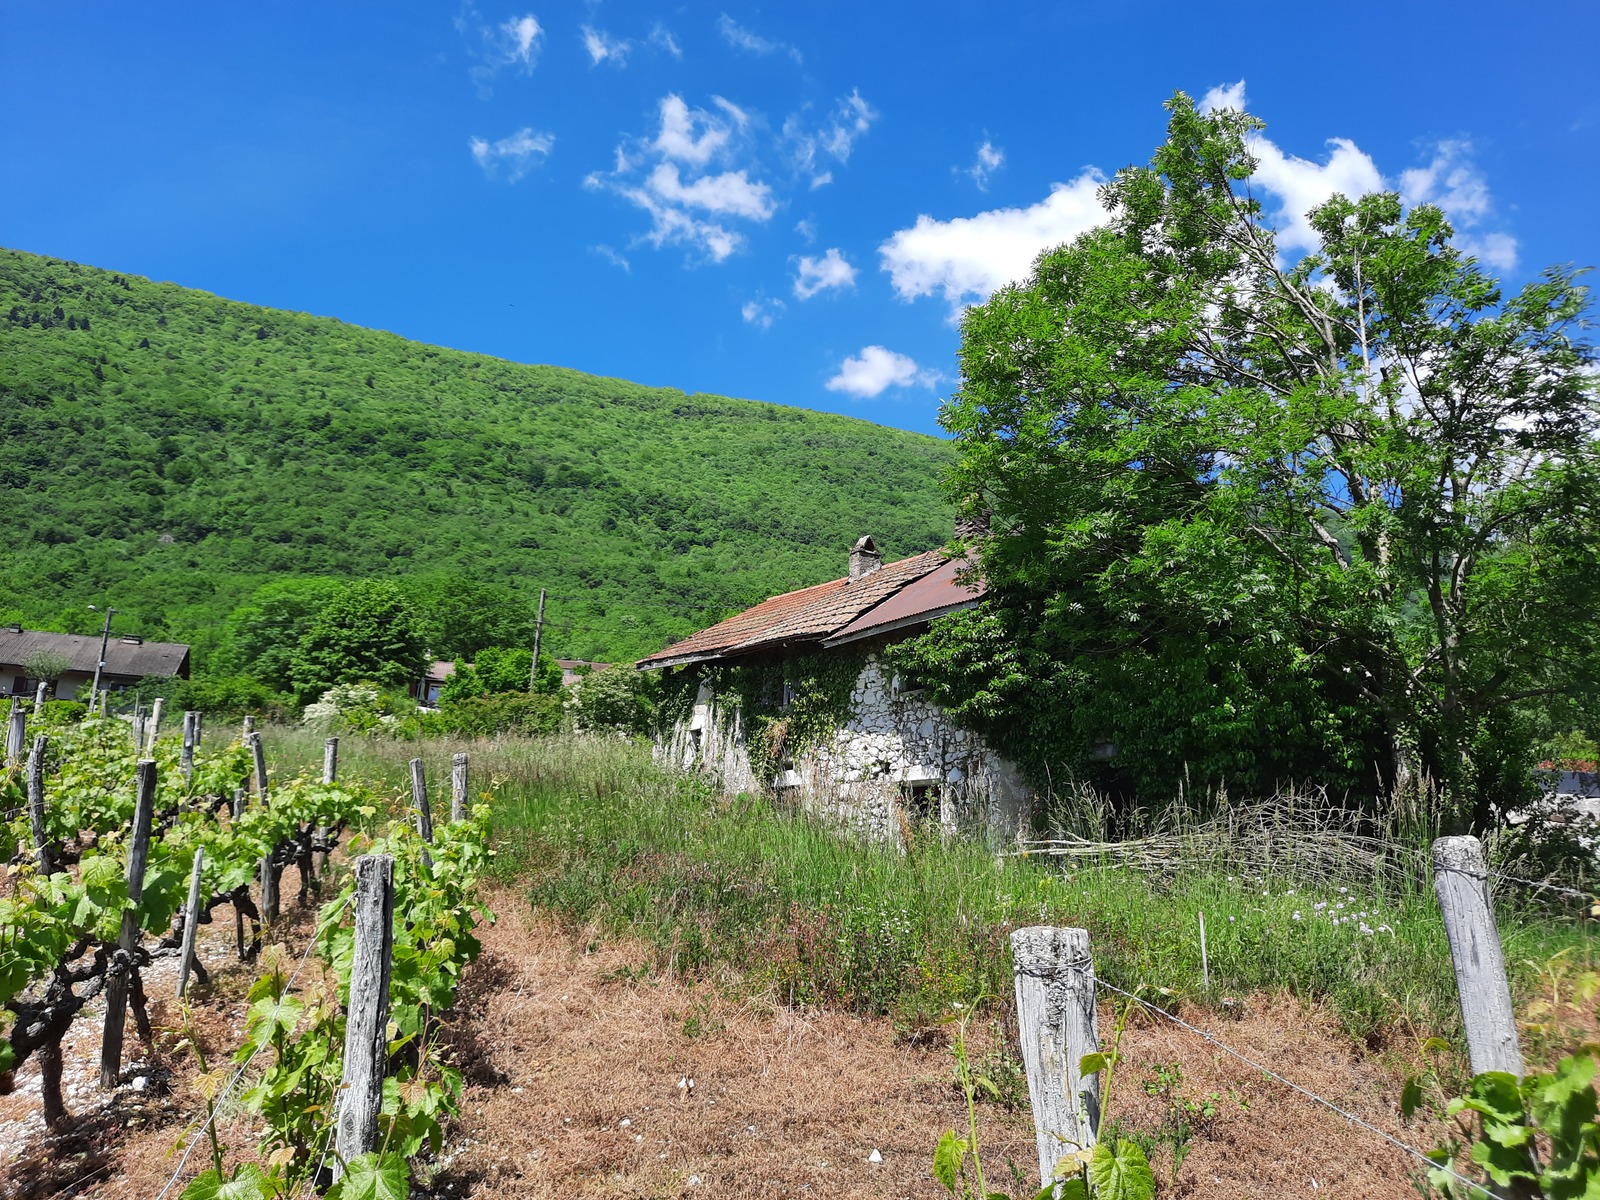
x: 419, y: 800
x: 153, y: 726
x: 191, y: 735
x: 366, y: 1048
x: 16, y: 733
x: 330, y: 774
x: 191, y: 924
x: 269, y: 891
x: 1058, y: 1021
x: 258, y: 756
x: 238, y: 802
x: 249, y: 726
x: 38, y: 697
x: 460, y: 810
x: 41, y: 833
x: 1461, y: 881
x: 119, y: 978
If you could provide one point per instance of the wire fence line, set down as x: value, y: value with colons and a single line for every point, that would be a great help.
x: 1307, y: 1093
x: 216, y: 1105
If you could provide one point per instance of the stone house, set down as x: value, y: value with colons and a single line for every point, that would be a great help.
x: 73, y: 656
x: 794, y: 695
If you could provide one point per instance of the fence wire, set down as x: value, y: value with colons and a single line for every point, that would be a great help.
x: 1351, y: 1117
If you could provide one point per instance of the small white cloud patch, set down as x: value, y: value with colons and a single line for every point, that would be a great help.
x: 990, y: 159
x: 740, y: 38
x: 517, y: 154
x: 876, y: 369
x: 761, y: 312
x: 969, y: 258
x: 809, y: 149
x: 661, y: 38
x: 514, y: 43
x: 820, y: 274
x: 602, y: 47
x: 1453, y: 182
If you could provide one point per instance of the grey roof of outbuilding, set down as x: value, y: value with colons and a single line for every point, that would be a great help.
x: 122, y: 657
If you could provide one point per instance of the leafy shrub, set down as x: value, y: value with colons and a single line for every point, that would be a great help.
x: 486, y: 716
x: 617, y: 699
x: 231, y: 696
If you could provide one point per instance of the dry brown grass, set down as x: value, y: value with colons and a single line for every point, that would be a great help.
x: 562, y: 1037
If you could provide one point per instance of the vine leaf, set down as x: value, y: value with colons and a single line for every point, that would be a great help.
x: 373, y: 1176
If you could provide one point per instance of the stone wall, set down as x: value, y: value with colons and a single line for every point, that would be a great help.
x: 898, y: 767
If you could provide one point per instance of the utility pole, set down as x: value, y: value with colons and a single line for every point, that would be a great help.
x: 105, y: 637
x: 538, y: 633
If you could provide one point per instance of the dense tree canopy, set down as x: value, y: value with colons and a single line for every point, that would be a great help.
x: 171, y: 452
x: 1255, y: 518
x: 367, y: 632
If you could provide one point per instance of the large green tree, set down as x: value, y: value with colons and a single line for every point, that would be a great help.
x: 368, y: 632
x: 1258, y: 517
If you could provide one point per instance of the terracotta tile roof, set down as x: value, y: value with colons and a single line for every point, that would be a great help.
x: 809, y: 614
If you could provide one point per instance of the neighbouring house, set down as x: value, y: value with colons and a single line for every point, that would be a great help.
x: 794, y: 695
x: 425, y: 691
x: 574, y: 669
x: 71, y: 660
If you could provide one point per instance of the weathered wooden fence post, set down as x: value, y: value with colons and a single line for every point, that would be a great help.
x: 460, y: 810
x: 419, y: 799
x: 39, y: 695
x: 238, y: 802
x: 16, y: 733
x: 191, y: 735
x: 191, y: 923
x: 153, y: 726
x: 1058, y: 1021
x: 41, y: 832
x: 249, y: 726
x: 330, y: 774
x: 269, y: 891
x: 119, y: 977
x: 366, y: 1048
x: 1461, y: 881
x: 258, y: 756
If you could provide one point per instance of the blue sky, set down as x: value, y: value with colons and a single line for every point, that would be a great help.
x: 788, y: 203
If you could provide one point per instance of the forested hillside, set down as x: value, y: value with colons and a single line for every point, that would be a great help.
x: 168, y: 451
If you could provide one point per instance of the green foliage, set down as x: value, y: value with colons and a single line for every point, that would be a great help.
x: 499, y: 671
x: 262, y: 634
x: 617, y: 699
x: 1537, y: 1137
x: 488, y: 716
x: 366, y: 631
x: 789, y: 705
x: 1334, y: 520
x: 183, y: 450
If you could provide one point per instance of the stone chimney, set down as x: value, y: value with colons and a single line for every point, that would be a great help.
x: 971, y: 526
x: 864, y: 559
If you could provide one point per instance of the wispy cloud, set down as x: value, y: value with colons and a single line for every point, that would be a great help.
x: 669, y: 176
x: 990, y: 158
x: 807, y: 229
x: 737, y: 36
x: 875, y: 370
x: 661, y: 38
x: 968, y: 258
x: 1453, y: 181
x: 512, y: 44
x: 516, y: 155
x: 612, y: 257
x: 602, y: 47
x: 761, y: 312
x: 811, y: 148
x: 815, y: 275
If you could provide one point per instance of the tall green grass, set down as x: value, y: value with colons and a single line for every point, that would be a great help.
x: 592, y: 831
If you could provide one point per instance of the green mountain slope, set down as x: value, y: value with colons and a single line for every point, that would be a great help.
x: 167, y: 451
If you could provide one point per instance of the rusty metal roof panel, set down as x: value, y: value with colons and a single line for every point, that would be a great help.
x: 939, y: 591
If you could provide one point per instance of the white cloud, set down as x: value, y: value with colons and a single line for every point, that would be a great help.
x: 1224, y: 95
x: 820, y: 274
x: 693, y: 135
x: 612, y: 257
x: 876, y: 369
x: 740, y: 38
x: 673, y: 226
x: 661, y: 38
x: 518, y: 153
x: 989, y: 160
x: 807, y: 229
x: 761, y: 312
x: 602, y: 47
x: 1453, y: 181
x: 731, y: 193
x: 969, y: 258
x: 851, y: 117
x: 1301, y: 185
x: 514, y: 43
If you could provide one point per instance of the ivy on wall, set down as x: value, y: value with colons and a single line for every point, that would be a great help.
x: 788, y: 706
